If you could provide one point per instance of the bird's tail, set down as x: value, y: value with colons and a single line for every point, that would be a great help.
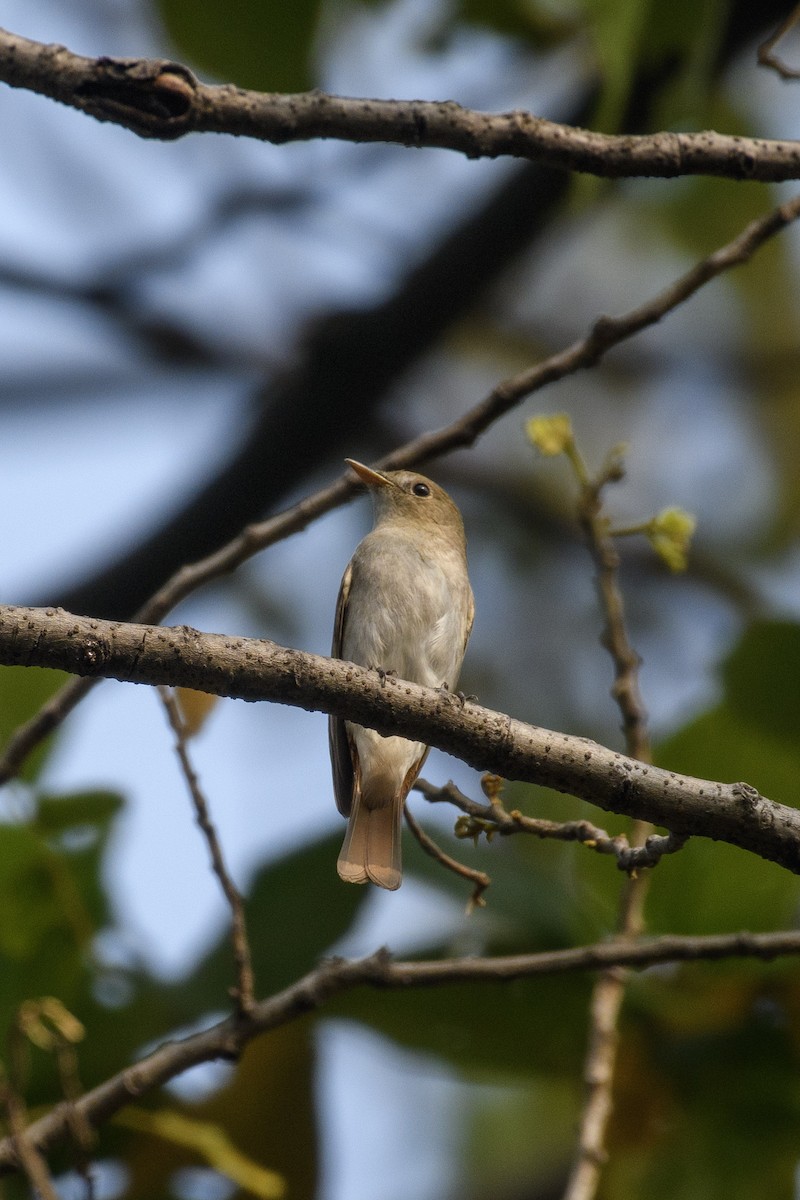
x: 371, y: 849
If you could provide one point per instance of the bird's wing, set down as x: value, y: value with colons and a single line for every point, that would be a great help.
x: 341, y: 758
x: 470, y: 618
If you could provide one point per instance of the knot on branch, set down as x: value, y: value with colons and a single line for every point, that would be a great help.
x: 153, y: 97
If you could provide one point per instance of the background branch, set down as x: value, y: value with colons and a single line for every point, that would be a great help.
x: 227, y: 1039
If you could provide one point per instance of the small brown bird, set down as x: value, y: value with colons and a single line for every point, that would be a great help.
x: 405, y: 607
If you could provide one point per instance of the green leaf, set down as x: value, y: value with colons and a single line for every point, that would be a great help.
x: 296, y: 909
x: 762, y: 682
x: 264, y: 1112
x: 264, y: 45
x: 23, y: 691
x: 211, y: 1143
x: 540, y: 25
x: 707, y: 1099
x: 35, y: 898
x: 618, y: 27
x: 489, y: 1029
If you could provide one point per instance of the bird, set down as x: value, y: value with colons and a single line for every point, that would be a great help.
x: 405, y: 608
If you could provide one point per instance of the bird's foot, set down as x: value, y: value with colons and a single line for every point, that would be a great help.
x: 461, y: 697
x: 384, y: 675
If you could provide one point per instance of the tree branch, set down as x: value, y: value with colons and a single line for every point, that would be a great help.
x: 157, y: 98
x: 227, y: 1039
x: 250, y: 669
x: 495, y: 818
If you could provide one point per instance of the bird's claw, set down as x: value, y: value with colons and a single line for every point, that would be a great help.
x: 459, y: 696
x: 384, y: 675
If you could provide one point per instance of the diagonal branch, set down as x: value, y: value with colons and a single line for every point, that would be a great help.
x: 227, y: 1039
x: 250, y: 669
x: 479, y: 879
x: 156, y: 98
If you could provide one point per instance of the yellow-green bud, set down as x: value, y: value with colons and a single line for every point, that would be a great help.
x: 550, y: 435
x: 670, y: 534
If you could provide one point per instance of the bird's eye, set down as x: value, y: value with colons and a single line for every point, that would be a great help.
x: 421, y: 489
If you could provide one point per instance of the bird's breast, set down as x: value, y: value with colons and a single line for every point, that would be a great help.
x: 407, y: 611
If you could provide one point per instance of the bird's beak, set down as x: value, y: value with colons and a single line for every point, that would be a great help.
x: 373, y: 479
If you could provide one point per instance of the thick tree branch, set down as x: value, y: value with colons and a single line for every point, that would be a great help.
x: 156, y: 98
x: 249, y: 669
x: 227, y: 1039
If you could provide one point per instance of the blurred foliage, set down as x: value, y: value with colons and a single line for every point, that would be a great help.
x: 262, y: 44
x: 53, y: 906
x: 269, y: 46
x: 23, y: 691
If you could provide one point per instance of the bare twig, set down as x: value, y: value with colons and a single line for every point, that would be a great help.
x: 248, y: 669
x: 489, y: 819
x: 244, y: 992
x: 767, y: 58
x: 606, y: 333
x: 157, y: 98
x: 228, y: 1038
x: 22, y: 1146
x: 608, y: 993
x: 479, y: 879
x: 80, y: 1131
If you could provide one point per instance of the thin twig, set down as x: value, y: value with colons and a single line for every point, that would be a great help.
x: 494, y: 818
x: 765, y: 55
x: 244, y: 992
x: 227, y: 1039
x: 479, y: 879
x: 22, y: 1145
x: 80, y: 1130
x: 609, y: 990
x: 606, y: 333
